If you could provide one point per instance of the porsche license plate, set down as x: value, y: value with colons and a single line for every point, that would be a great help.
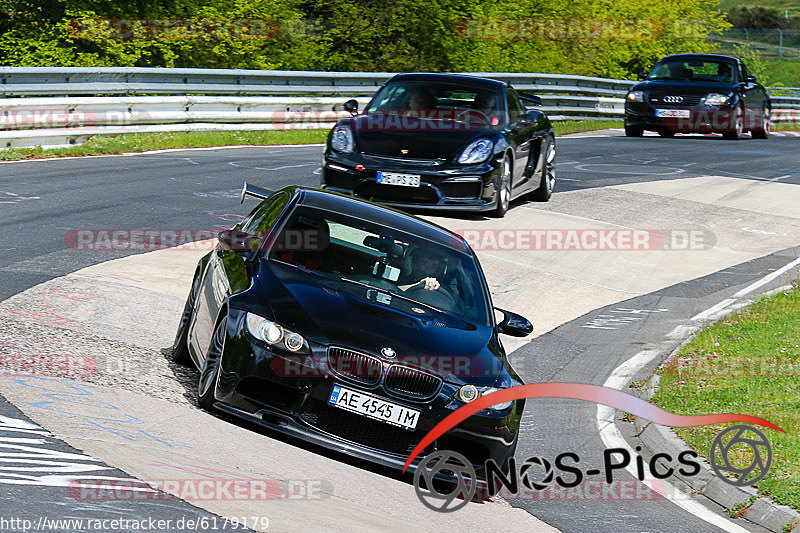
x: 673, y: 113
x: 394, y: 178
x: 372, y: 407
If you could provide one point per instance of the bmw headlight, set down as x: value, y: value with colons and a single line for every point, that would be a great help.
x: 274, y: 334
x: 342, y: 139
x: 469, y: 393
x: 636, y: 96
x: 717, y: 99
x: 477, y: 152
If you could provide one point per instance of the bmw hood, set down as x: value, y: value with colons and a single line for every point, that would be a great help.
x: 335, y: 313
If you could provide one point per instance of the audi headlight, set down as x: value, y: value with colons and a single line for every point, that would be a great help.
x: 342, y: 139
x: 477, y: 152
x: 636, y: 96
x: 717, y: 99
x: 274, y: 334
x: 469, y: 393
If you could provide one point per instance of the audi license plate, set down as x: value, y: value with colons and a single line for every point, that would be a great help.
x: 393, y: 178
x: 673, y: 113
x: 372, y: 407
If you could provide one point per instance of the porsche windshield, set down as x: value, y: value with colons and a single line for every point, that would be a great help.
x: 393, y: 268
x: 693, y: 70
x: 440, y: 101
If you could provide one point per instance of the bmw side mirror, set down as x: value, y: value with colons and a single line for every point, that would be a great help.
x: 514, y: 324
x: 351, y: 106
x: 642, y: 75
x: 751, y: 79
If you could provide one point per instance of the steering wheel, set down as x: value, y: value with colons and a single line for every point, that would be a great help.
x: 465, y: 114
x: 450, y: 304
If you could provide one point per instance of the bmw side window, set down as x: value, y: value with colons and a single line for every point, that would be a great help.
x: 264, y: 217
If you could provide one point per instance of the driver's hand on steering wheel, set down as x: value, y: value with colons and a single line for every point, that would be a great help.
x: 431, y: 284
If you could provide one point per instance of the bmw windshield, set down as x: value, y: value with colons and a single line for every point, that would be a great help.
x: 403, y: 271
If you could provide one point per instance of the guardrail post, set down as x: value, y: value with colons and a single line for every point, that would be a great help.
x: 780, y: 46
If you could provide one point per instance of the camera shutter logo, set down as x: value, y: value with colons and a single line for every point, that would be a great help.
x: 526, y: 476
x: 450, y: 464
x: 731, y: 445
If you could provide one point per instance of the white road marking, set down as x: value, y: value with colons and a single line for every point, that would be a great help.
x: 766, y: 279
x: 781, y: 177
x: 612, y: 438
x: 714, y: 309
x: 235, y: 164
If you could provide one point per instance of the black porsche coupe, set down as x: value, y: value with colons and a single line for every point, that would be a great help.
x: 350, y: 325
x: 443, y: 141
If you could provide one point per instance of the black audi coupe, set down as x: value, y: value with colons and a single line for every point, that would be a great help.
x: 352, y: 326
x: 698, y: 93
x: 443, y: 141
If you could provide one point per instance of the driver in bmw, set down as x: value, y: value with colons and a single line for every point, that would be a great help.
x: 425, y: 269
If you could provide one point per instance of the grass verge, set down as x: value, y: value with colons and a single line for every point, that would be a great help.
x: 563, y: 127
x: 142, y: 142
x: 748, y: 363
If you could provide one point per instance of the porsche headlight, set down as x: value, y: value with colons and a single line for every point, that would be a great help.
x: 636, y: 96
x: 717, y: 99
x: 342, y: 139
x: 274, y: 334
x: 469, y: 393
x: 477, y: 152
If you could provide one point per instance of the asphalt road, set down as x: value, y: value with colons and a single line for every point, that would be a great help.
x: 41, y: 201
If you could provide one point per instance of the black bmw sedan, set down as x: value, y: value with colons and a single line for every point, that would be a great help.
x: 698, y: 93
x: 443, y: 141
x: 352, y: 326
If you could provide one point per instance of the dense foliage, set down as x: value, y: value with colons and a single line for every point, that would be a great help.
x: 582, y: 37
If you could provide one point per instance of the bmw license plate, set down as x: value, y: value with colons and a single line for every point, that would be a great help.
x: 673, y: 113
x: 372, y: 407
x: 394, y: 178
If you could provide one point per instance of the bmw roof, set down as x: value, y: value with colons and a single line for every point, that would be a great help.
x: 391, y: 218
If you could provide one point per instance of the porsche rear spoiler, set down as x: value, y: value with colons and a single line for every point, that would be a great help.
x: 253, y: 190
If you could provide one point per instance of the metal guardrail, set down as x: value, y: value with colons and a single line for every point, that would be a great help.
x: 66, y: 105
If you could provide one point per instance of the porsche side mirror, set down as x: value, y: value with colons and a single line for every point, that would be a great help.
x: 642, y: 75
x: 514, y: 324
x: 532, y: 116
x: 351, y: 106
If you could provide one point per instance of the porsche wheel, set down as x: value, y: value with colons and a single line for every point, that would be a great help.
x: 207, y: 383
x: 503, y: 189
x: 548, y: 183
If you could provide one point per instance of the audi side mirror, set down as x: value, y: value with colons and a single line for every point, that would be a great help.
x: 351, y: 106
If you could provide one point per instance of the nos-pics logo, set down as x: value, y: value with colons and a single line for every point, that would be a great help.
x: 446, y: 481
